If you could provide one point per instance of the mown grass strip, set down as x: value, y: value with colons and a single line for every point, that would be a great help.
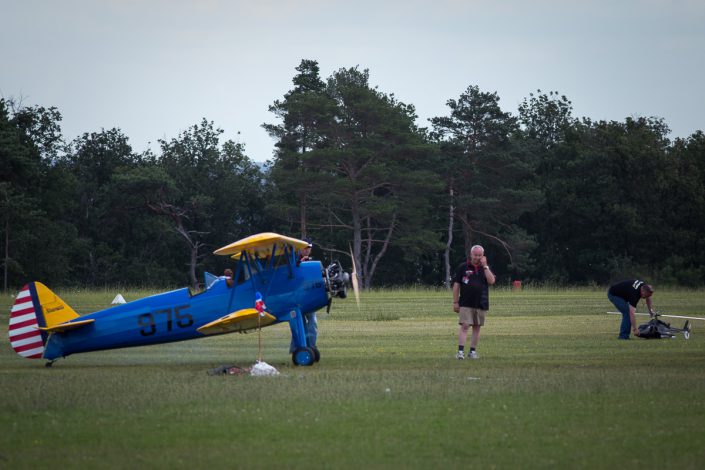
x: 553, y: 388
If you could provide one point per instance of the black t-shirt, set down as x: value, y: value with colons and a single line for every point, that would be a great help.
x: 474, y: 289
x: 629, y: 290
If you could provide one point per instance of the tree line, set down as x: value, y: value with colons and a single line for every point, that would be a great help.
x: 553, y: 198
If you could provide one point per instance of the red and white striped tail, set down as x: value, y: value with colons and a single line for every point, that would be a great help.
x: 25, y: 338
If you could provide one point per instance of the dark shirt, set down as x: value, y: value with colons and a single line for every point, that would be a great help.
x: 629, y: 290
x: 474, y: 289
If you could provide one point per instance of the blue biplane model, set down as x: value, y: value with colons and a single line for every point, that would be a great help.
x: 269, y: 286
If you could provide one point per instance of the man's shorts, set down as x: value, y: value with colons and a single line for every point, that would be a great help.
x: 471, y: 316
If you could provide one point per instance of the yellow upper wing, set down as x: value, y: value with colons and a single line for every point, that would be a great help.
x: 260, y: 244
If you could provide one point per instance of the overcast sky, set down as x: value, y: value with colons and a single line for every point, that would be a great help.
x: 153, y: 68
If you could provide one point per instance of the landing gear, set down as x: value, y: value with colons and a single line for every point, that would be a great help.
x: 303, y: 356
x: 316, y: 354
x: 49, y: 363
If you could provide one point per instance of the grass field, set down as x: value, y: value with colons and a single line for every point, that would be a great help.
x: 553, y: 388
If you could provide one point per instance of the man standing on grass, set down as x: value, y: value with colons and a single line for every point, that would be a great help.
x: 625, y: 295
x: 471, y: 298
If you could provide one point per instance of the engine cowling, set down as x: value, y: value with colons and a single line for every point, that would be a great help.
x: 336, y: 280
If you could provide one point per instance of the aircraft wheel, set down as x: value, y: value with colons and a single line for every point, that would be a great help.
x: 303, y: 357
x: 686, y: 334
x: 316, y: 354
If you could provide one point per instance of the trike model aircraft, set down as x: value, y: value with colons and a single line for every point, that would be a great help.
x: 269, y: 286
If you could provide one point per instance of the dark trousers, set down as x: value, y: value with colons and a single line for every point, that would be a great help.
x: 623, y: 307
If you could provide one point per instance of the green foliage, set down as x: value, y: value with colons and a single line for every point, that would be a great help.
x: 551, y: 197
x: 683, y: 222
x: 605, y: 211
x: 95, y: 213
x: 353, y: 167
x: 208, y: 194
x: 490, y: 171
x: 306, y: 112
x: 33, y: 239
x: 546, y: 117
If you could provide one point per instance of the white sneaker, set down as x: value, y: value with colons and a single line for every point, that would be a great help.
x: 473, y: 355
x: 460, y: 355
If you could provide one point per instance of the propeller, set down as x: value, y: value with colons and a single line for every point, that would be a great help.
x: 356, y: 288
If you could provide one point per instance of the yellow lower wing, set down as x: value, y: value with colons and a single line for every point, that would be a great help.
x: 242, y: 320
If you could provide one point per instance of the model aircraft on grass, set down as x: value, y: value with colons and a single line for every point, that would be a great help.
x: 658, y: 329
x: 269, y: 286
